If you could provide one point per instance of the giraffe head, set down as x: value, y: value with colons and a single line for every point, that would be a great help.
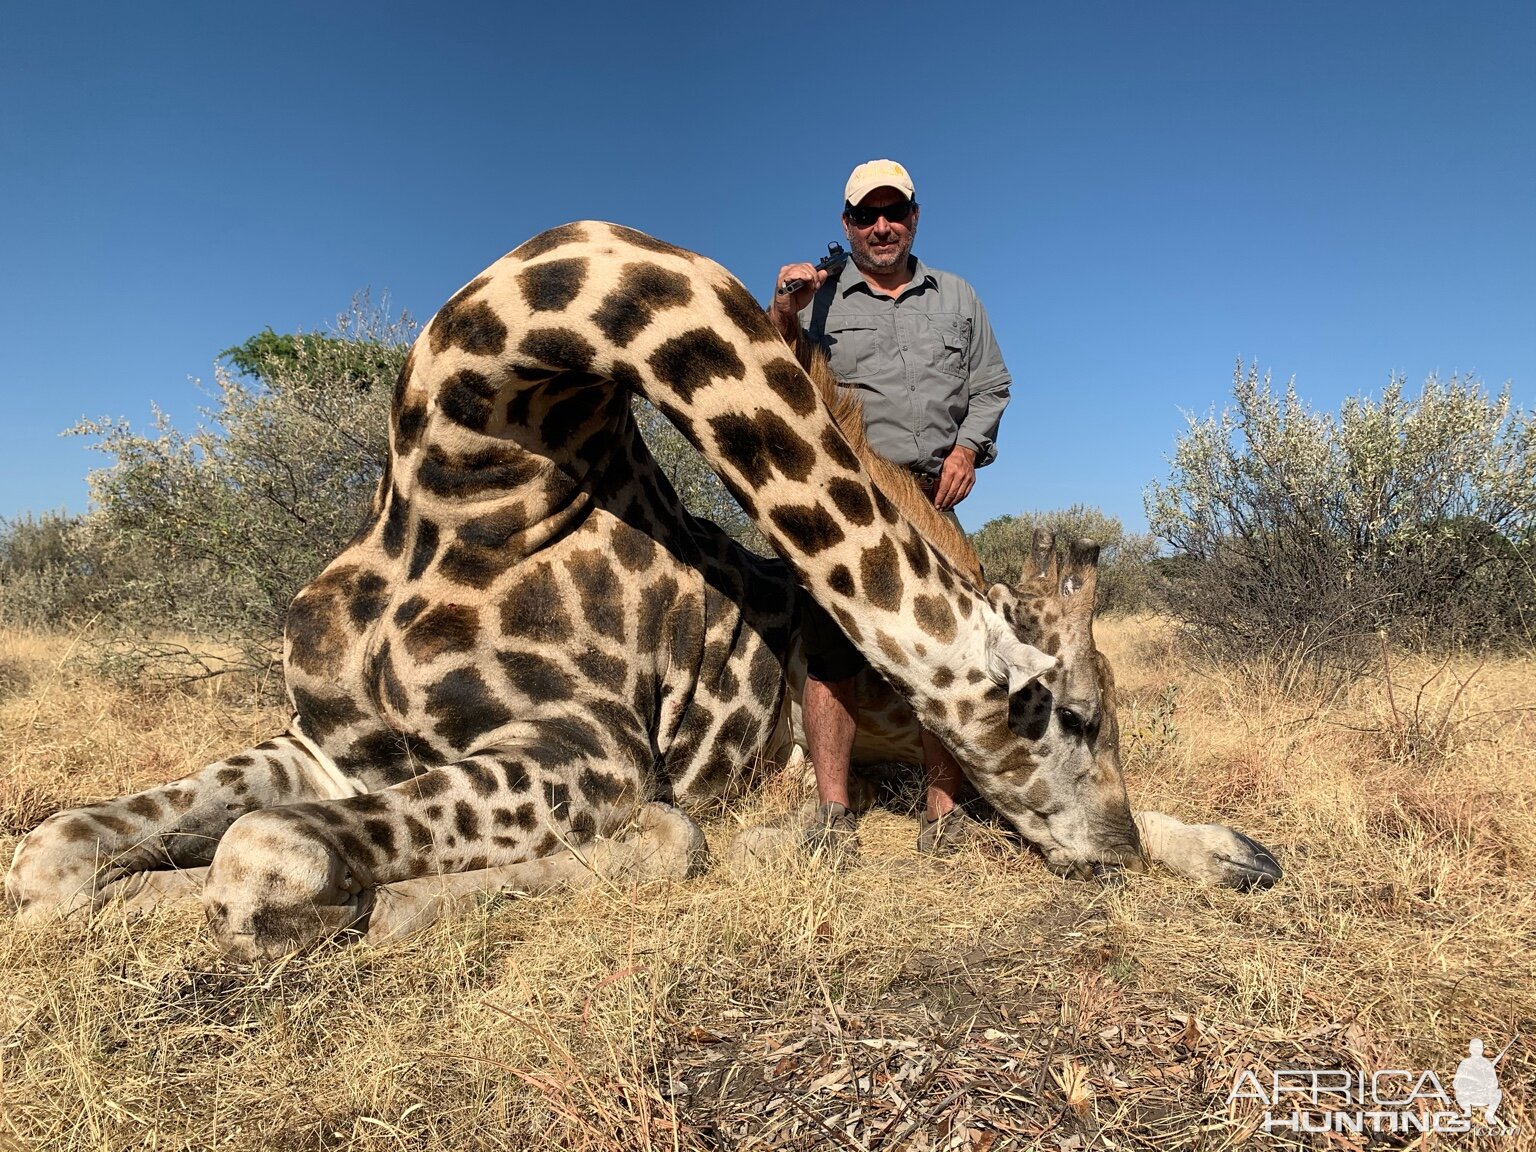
x: 1058, y: 779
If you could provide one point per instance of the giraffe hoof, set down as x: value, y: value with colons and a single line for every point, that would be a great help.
x: 1247, y: 864
x: 273, y: 889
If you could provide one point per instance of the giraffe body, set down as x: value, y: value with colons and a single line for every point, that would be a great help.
x: 532, y: 644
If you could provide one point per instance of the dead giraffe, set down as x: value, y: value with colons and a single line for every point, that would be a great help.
x: 533, y: 643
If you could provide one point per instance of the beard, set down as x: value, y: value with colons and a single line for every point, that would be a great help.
x: 886, y: 258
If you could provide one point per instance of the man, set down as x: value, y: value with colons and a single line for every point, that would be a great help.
x: 914, y: 343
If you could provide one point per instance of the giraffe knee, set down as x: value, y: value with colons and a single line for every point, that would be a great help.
x: 274, y: 887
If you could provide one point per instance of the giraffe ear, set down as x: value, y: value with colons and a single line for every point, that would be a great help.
x: 1011, y: 662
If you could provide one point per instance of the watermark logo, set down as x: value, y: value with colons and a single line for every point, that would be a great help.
x: 1396, y: 1100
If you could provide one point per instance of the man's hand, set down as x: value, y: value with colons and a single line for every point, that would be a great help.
x: 956, y: 478
x: 786, y: 305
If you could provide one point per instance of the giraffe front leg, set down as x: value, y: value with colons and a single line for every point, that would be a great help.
x: 1210, y: 853
x: 286, y: 878
x: 78, y: 859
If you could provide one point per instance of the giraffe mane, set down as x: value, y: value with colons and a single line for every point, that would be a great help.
x: 894, y: 482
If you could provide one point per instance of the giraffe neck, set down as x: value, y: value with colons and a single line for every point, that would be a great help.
x: 592, y: 308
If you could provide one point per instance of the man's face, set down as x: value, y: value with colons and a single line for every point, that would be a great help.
x: 883, y: 245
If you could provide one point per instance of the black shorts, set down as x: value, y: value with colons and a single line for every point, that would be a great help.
x: 829, y: 654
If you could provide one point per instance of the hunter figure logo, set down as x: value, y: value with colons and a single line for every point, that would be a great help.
x: 1476, y: 1083
x: 1392, y: 1100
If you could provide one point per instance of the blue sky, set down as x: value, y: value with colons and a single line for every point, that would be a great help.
x: 1141, y: 193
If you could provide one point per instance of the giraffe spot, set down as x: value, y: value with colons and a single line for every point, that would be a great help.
x: 468, y: 399
x: 409, y: 610
x: 549, y: 241
x: 790, y: 383
x: 635, y: 550
x: 537, y: 677
x: 888, y: 511
x: 463, y: 709
x: 317, y: 640
x: 501, y: 817
x: 224, y: 777
x: 560, y: 348
x: 1052, y: 644
x: 915, y: 549
x: 880, y: 574
x: 649, y: 243
x: 277, y: 775
x: 965, y: 603
x: 460, y: 476
x: 946, y: 581
x: 465, y: 822
x: 240, y: 761
x: 485, y: 547
x: 599, y: 787
x: 601, y: 594
x: 321, y: 714
x: 468, y: 324
x: 395, y: 517
x: 551, y: 286
x: 943, y: 678
x: 427, y: 786
x: 934, y: 616
x: 964, y: 711
x: 753, y: 448
x: 695, y: 360
x: 556, y: 795
x: 849, y: 625
x: 655, y: 602
x: 840, y: 580
x: 836, y: 449
x: 392, y: 691
x: 447, y: 628
x: 602, y: 669
x: 765, y: 677
x: 643, y: 290
x: 380, y: 835
x: 532, y: 608
x: 566, y: 417
x: 424, y: 549
x: 583, y: 827
x: 421, y: 836
x: 974, y: 676
x: 851, y: 500
x: 746, y: 313
x: 516, y: 776
x: 1029, y: 711
x: 409, y: 419
x: 892, y: 652
x: 809, y: 528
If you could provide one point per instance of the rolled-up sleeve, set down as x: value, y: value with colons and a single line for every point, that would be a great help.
x: 988, y: 384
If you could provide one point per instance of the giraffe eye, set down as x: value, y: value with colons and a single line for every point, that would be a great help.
x: 1071, y: 722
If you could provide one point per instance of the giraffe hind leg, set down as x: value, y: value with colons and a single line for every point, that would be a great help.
x: 662, y: 844
x: 80, y: 858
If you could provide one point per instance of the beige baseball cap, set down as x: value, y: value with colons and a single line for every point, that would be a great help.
x: 876, y: 174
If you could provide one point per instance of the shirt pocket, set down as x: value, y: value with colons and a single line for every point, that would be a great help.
x: 949, y: 343
x: 853, y: 347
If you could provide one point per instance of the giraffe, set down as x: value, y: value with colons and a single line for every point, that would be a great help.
x: 531, y: 646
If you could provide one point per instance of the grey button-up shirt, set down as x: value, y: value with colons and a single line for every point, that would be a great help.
x: 924, y: 363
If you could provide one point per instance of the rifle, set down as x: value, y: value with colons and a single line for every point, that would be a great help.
x: 836, y: 257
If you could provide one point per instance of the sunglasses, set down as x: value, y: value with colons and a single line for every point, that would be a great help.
x: 863, y: 216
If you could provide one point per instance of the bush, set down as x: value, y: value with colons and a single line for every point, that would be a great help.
x: 214, y: 531
x: 1125, y: 574
x: 1300, y: 535
x: 46, y: 574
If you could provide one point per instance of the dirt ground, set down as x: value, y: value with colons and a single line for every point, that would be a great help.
x: 977, y: 1003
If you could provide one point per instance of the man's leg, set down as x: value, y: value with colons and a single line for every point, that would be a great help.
x: 829, y: 719
x: 945, y: 779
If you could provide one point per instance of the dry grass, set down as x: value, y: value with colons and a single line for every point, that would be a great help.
x: 981, y: 1003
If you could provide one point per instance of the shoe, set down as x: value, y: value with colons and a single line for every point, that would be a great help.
x: 831, y: 830
x: 950, y: 833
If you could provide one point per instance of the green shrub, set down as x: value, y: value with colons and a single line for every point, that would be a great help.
x: 1300, y: 535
